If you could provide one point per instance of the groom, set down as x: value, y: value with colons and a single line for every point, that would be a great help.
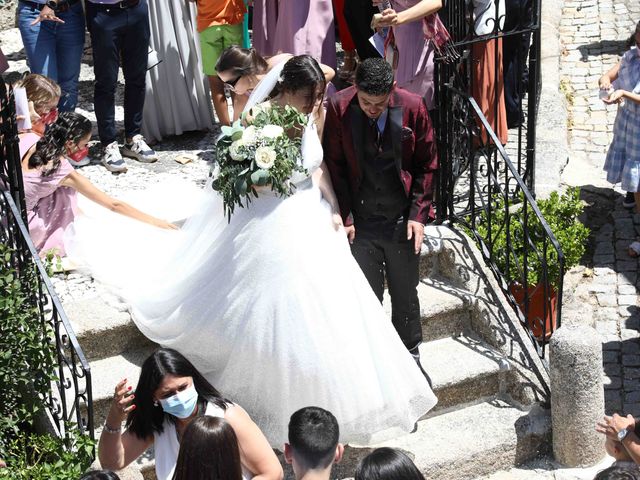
x: 380, y: 150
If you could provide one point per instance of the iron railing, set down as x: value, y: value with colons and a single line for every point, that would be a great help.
x: 69, y: 403
x: 481, y: 188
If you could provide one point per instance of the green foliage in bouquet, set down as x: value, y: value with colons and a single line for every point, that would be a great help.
x: 264, y: 153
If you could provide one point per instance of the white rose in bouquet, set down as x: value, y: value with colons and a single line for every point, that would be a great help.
x: 265, y: 157
x: 272, y: 131
x: 234, y: 150
x: 249, y: 135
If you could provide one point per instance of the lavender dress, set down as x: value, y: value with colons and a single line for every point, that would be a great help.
x: 50, y: 207
x: 306, y: 27
x: 415, y: 56
x: 265, y: 16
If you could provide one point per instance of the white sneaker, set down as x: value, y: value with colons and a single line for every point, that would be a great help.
x: 112, y: 160
x: 139, y: 150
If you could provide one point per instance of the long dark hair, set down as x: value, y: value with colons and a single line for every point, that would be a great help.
x: 241, y: 61
x: 53, y: 145
x: 301, y: 74
x: 387, y: 464
x: 632, y: 39
x: 147, y: 418
x: 208, y: 451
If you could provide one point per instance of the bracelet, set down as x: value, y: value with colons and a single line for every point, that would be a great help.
x: 108, y: 429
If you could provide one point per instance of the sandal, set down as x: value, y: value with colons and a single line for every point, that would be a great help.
x: 634, y: 249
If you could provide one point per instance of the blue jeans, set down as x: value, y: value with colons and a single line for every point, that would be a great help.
x: 119, y: 34
x: 55, y: 49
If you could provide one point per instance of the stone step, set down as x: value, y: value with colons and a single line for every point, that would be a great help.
x: 104, y: 328
x: 444, y: 310
x: 463, y: 370
x: 468, y: 442
x: 460, y: 445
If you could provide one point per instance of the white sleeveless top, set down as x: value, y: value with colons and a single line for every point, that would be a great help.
x: 167, y: 447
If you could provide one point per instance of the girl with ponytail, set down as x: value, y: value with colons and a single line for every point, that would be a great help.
x: 51, y: 183
x: 241, y: 69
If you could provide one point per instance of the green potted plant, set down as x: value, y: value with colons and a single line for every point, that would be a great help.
x: 510, y: 244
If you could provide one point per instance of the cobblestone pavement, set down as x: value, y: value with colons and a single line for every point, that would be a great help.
x: 594, y: 33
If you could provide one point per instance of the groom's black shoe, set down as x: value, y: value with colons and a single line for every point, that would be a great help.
x: 415, y: 353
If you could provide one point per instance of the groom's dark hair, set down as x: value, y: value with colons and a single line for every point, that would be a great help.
x: 374, y: 76
x: 313, y: 437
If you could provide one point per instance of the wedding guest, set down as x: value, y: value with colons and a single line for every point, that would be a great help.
x: 621, y: 85
x: 382, y: 158
x: 415, y: 50
x: 487, y: 81
x: 621, y: 429
x: 618, y: 473
x: 241, y: 69
x: 170, y: 394
x: 349, y: 62
x: 358, y: 14
x: 219, y: 27
x: 209, y: 449
x: 616, y: 449
x: 43, y: 95
x: 306, y: 28
x: 313, y: 445
x: 52, y: 33
x: 387, y: 464
x: 100, y: 475
x: 176, y: 98
x: 51, y: 184
x: 265, y: 17
x: 120, y: 34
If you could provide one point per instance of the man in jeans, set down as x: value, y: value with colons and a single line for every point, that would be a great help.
x: 120, y: 30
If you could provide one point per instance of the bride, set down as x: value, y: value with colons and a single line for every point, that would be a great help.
x: 271, y: 306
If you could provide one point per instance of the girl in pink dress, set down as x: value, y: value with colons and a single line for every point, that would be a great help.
x: 415, y: 52
x: 51, y: 183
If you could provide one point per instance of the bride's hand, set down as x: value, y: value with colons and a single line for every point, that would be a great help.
x: 336, y: 218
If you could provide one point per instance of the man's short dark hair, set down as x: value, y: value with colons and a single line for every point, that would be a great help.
x: 619, y: 473
x: 374, y: 76
x: 313, y: 437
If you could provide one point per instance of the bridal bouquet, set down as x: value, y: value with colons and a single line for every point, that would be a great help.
x: 263, y: 153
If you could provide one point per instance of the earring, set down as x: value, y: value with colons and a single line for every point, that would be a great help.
x: 155, y: 403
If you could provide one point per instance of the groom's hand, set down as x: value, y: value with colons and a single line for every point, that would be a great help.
x: 350, y: 230
x: 415, y: 230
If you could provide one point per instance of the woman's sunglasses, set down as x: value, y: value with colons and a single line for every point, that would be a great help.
x: 231, y: 83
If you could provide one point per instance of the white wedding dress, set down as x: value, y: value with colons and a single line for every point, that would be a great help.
x: 274, y: 310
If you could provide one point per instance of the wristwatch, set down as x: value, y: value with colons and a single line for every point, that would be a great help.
x: 622, y: 434
x: 52, y: 4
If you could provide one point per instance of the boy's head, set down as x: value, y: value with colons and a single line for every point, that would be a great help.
x: 313, y: 440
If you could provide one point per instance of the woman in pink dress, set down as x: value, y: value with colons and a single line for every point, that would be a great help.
x: 265, y: 16
x: 304, y: 27
x: 51, y: 183
x: 415, y: 52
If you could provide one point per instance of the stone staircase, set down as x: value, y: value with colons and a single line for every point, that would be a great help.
x: 488, y: 379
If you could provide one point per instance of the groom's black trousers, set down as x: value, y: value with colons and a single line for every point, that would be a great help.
x: 394, y: 257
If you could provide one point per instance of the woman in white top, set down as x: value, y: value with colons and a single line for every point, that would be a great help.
x: 169, y: 395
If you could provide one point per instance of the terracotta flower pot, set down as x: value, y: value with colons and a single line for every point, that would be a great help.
x: 536, y: 314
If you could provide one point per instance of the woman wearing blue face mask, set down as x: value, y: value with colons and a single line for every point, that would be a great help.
x: 170, y: 394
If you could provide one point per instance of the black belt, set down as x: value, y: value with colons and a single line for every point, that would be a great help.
x: 62, y: 7
x: 123, y: 5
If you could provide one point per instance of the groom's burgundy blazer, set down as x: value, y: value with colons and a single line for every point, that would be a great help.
x: 413, y: 143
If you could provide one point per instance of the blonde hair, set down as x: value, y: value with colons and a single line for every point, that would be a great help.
x: 42, y: 91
